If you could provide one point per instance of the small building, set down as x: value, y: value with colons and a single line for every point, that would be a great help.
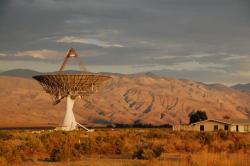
x: 216, y: 125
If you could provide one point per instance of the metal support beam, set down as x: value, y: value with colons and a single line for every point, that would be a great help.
x: 72, y: 53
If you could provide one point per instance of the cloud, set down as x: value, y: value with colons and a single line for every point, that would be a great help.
x: 3, y: 54
x: 163, y: 57
x: 96, y: 42
x: 194, y: 65
x: 242, y: 73
x: 39, y: 54
x: 43, y: 55
x: 235, y: 57
x: 185, y: 67
x: 200, y: 55
x: 196, y: 56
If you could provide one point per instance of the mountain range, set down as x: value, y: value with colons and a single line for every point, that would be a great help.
x: 242, y: 87
x: 144, y: 98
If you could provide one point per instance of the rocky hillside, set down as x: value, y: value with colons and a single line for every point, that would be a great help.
x: 124, y: 99
x: 242, y: 87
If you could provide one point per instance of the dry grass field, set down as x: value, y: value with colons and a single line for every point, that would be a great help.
x: 124, y: 147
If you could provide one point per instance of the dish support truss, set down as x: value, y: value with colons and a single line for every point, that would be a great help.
x: 70, y: 86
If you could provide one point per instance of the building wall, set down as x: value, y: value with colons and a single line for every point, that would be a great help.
x: 209, y: 126
x: 241, y: 128
x: 181, y: 127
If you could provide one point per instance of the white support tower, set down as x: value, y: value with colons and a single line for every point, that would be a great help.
x: 69, y: 121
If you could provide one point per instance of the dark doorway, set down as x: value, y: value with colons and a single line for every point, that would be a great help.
x: 216, y: 128
x: 237, y: 128
x: 201, y: 127
x: 226, y: 127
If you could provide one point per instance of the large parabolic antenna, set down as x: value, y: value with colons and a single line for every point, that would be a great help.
x: 71, y: 86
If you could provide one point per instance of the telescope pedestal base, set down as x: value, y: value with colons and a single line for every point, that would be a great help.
x: 69, y: 121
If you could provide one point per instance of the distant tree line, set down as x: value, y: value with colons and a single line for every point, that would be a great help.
x: 138, y: 125
x: 194, y: 117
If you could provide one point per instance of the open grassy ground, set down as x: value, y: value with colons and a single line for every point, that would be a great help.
x: 124, y: 147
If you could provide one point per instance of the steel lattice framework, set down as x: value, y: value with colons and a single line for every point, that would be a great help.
x: 62, y: 85
x: 70, y: 86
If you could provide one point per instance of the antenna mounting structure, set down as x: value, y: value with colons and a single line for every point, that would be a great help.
x: 72, y: 53
x: 71, y: 86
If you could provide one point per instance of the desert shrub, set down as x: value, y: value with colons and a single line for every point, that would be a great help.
x: 86, y: 146
x: 155, y: 134
x: 189, y: 146
x: 56, y: 154
x: 158, y: 150
x: 16, y: 146
x: 205, y: 138
x: 219, y: 146
x: 138, y: 154
x: 238, y: 145
x: 109, y: 144
x: 143, y: 154
x: 5, y: 135
x: 193, y: 163
x: 10, y: 153
x: 15, y: 156
x: 3, y: 161
x: 97, y: 143
x: 223, y: 135
x: 192, y: 147
x: 58, y: 139
x: 64, y: 154
x: 119, y: 146
x: 4, y: 148
x: 148, y: 151
x: 33, y: 145
x: 148, y: 154
x: 61, y: 146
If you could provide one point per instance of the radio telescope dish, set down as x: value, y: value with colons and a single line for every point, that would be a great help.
x: 71, y: 86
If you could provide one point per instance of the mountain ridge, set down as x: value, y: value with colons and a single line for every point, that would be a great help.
x: 242, y: 87
x: 124, y: 99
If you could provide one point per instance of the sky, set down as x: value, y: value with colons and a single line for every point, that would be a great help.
x: 201, y: 40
